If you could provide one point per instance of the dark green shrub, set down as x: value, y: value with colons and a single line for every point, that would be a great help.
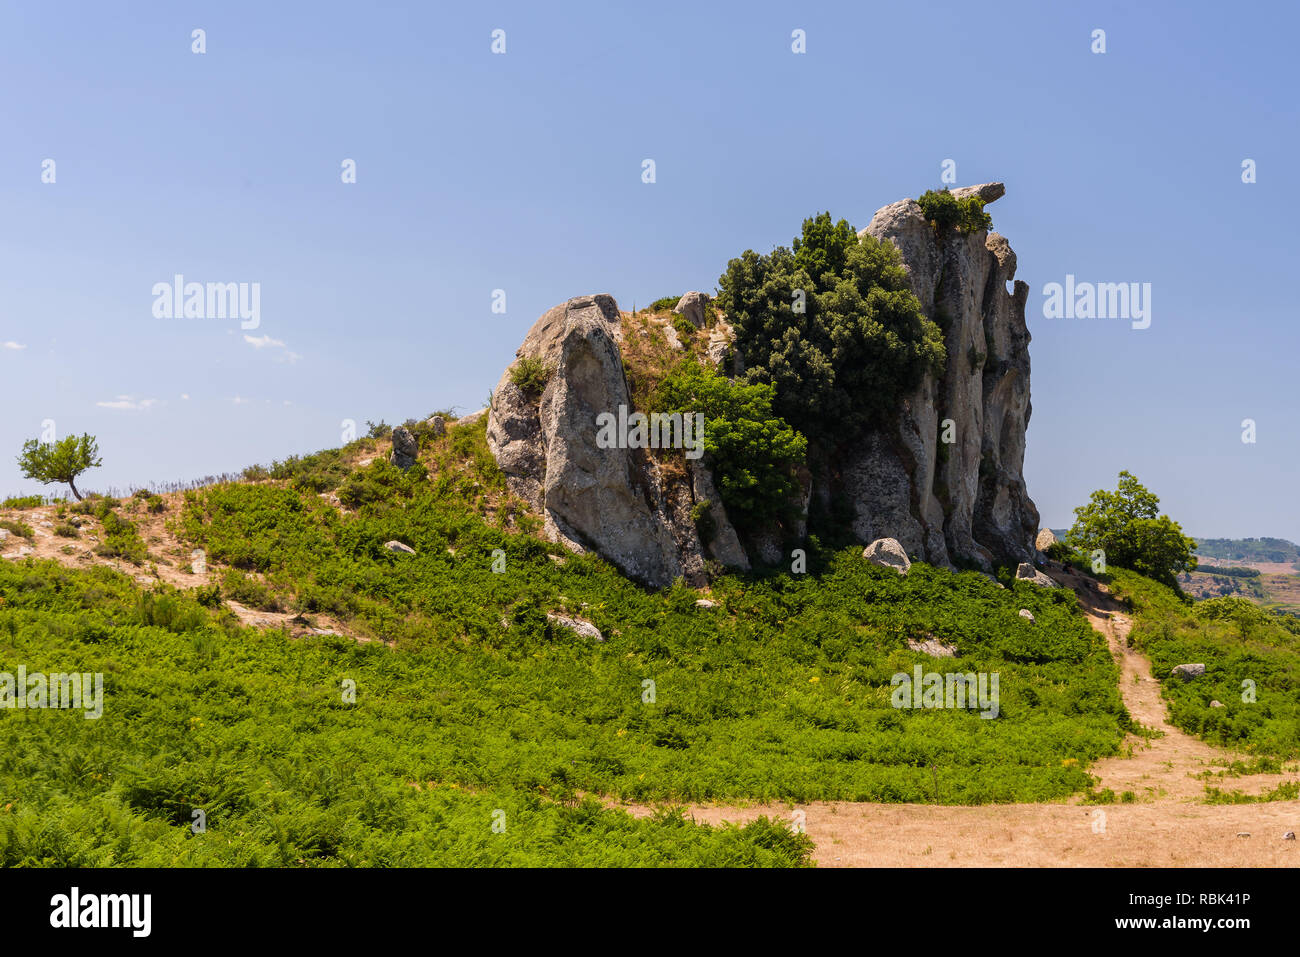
x: 833, y: 326
x: 946, y: 212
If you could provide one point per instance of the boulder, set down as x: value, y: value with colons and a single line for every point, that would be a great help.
x: 1028, y: 615
x: 1027, y: 572
x: 932, y: 646
x: 1216, y: 704
x: 399, y: 547
x: 706, y: 604
x: 1045, y: 539
x: 583, y: 628
x: 471, y: 418
x: 889, y: 553
x: 695, y: 308
x: 438, y: 425
x: 1187, y: 672
x: 405, y: 448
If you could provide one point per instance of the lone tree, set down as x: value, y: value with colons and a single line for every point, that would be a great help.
x: 1124, y: 524
x: 63, y: 461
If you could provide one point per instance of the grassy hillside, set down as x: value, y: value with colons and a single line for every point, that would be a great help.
x: 470, y: 700
x: 1241, y: 645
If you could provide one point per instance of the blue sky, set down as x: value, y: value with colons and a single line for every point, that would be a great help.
x: 522, y: 172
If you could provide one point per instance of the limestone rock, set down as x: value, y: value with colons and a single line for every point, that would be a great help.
x: 404, y: 448
x: 1045, y: 539
x: 932, y: 646
x: 706, y: 604
x: 613, y: 501
x: 1216, y: 704
x: 695, y: 307
x: 1027, y: 572
x: 1027, y: 615
x: 584, y: 628
x: 1187, y: 672
x: 438, y: 425
x: 971, y: 502
x: 471, y: 418
x: 399, y: 547
x: 889, y: 553
x: 721, y: 337
x: 724, y: 543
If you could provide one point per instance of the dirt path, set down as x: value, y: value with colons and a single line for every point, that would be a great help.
x: 1165, y: 826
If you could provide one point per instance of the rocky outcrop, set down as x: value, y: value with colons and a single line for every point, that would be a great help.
x: 620, y: 502
x: 943, y: 480
x: 954, y: 491
x: 695, y: 308
x: 405, y: 448
x: 1187, y: 672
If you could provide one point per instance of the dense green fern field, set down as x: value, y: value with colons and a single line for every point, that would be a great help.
x: 474, y: 710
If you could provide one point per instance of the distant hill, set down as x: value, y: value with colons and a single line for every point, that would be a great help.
x: 1249, y: 549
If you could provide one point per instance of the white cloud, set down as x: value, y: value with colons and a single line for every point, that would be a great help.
x: 185, y: 396
x: 240, y: 400
x: 129, y: 403
x: 266, y: 342
x: 261, y: 342
x: 11, y: 345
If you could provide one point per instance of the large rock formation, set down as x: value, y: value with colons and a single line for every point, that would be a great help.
x: 944, y: 479
x: 964, y: 499
x: 617, y: 501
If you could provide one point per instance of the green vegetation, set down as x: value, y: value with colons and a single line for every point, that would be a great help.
x: 471, y: 702
x: 752, y: 450
x: 530, y: 375
x: 833, y: 325
x: 63, y: 461
x: 23, y: 501
x: 252, y: 729
x: 1231, y: 572
x: 666, y: 304
x: 946, y: 212
x: 21, y: 529
x: 1124, y: 525
x: 1248, y: 652
x: 121, y: 540
x: 1275, y: 550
